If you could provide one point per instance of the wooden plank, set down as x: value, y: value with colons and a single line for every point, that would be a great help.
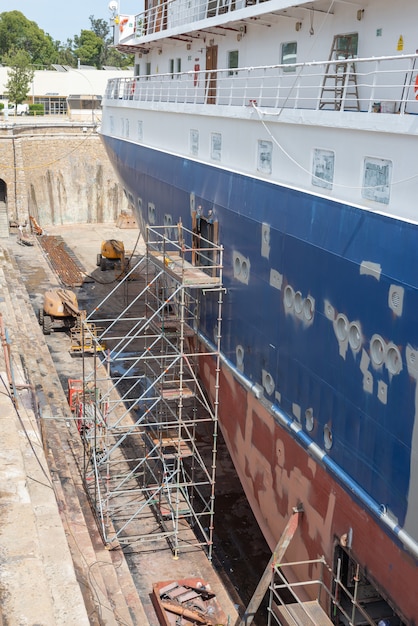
x: 185, y: 272
x: 276, y: 557
x: 302, y: 614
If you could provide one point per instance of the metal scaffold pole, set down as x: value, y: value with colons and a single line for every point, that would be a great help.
x: 151, y: 442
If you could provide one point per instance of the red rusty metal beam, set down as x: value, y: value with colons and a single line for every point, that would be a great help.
x: 62, y: 262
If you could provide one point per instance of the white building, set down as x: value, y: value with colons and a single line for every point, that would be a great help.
x: 66, y: 90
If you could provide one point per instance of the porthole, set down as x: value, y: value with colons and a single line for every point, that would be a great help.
x: 289, y: 296
x: 237, y: 266
x: 377, y: 350
x: 244, y: 269
x: 298, y: 302
x: 239, y: 352
x: 396, y: 299
x: 168, y: 220
x: 412, y: 357
x: 354, y: 336
x: 266, y: 234
x: 309, y: 420
x: 393, y: 360
x: 268, y: 383
x: 308, y: 308
x: 151, y: 213
x: 327, y: 438
x: 341, y: 327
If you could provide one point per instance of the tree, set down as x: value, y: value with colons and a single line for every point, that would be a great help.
x: 88, y: 48
x: 19, y: 33
x: 20, y: 75
x: 109, y: 55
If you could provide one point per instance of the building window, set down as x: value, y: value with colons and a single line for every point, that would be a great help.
x: 232, y: 62
x: 323, y: 168
x: 216, y: 146
x: 264, y: 156
x: 178, y: 66
x: 171, y: 67
x: 194, y: 142
x: 140, y: 131
x: 376, y: 180
x: 148, y: 69
x: 137, y: 70
x: 288, y: 56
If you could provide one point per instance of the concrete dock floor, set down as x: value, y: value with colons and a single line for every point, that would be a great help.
x: 54, y: 568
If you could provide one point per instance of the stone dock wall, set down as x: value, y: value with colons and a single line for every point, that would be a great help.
x: 59, y: 173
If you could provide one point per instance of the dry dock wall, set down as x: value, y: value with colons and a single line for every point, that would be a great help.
x: 58, y: 173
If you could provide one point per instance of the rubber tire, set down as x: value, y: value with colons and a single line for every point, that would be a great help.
x: 99, y: 260
x: 103, y: 264
x: 41, y: 317
x: 47, y: 324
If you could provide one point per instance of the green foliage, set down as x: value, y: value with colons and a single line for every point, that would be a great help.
x: 36, y: 109
x: 1, y: 106
x: 17, y: 32
x: 20, y: 75
x: 92, y: 47
x: 88, y: 48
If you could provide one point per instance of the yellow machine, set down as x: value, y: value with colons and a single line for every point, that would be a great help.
x: 112, y: 252
x: 60, y: 310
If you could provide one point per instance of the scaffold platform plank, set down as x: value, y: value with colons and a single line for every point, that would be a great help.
x: 303, y: 614
x: 177, y: 447
x: 183, y: 271
x: 174, y: 393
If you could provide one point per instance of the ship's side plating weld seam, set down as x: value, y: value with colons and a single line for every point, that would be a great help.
x: 379, y: 511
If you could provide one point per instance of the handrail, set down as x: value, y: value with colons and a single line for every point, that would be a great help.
x: 171, y: 14
x: 370, y: 84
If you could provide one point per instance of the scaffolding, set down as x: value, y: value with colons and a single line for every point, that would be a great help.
x: 148, y: 427
x: 300, y: 591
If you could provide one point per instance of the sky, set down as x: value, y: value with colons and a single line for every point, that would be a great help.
x: 62, y: 20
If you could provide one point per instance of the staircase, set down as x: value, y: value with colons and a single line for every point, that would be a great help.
x: 100, y: 578
x: 4, y: 221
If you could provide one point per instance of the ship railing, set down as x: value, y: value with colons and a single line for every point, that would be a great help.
x: 373, y: 85
x: 171, y: 14
x: 295, y: 586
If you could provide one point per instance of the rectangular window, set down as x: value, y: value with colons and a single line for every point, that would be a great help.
x: 264, y: 157
x: 288, y: 56
x: 171, y: 67
x: 323, y: 168
x: 178, y: 66
x: 376, y: 180
x: 148, y: 69
x: 140, y: 132
x: 216, y: 146
x: 194, y: 142
x: 137, y: 70
x: 232, y: 62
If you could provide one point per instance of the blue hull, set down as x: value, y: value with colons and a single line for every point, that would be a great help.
x: 323, y: 249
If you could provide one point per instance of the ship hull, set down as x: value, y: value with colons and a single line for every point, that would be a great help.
x: 306, y: 402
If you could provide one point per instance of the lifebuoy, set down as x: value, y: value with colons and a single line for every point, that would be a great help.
x: 122, y: 24
x: 133, y: 88
x: 416, y: 87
